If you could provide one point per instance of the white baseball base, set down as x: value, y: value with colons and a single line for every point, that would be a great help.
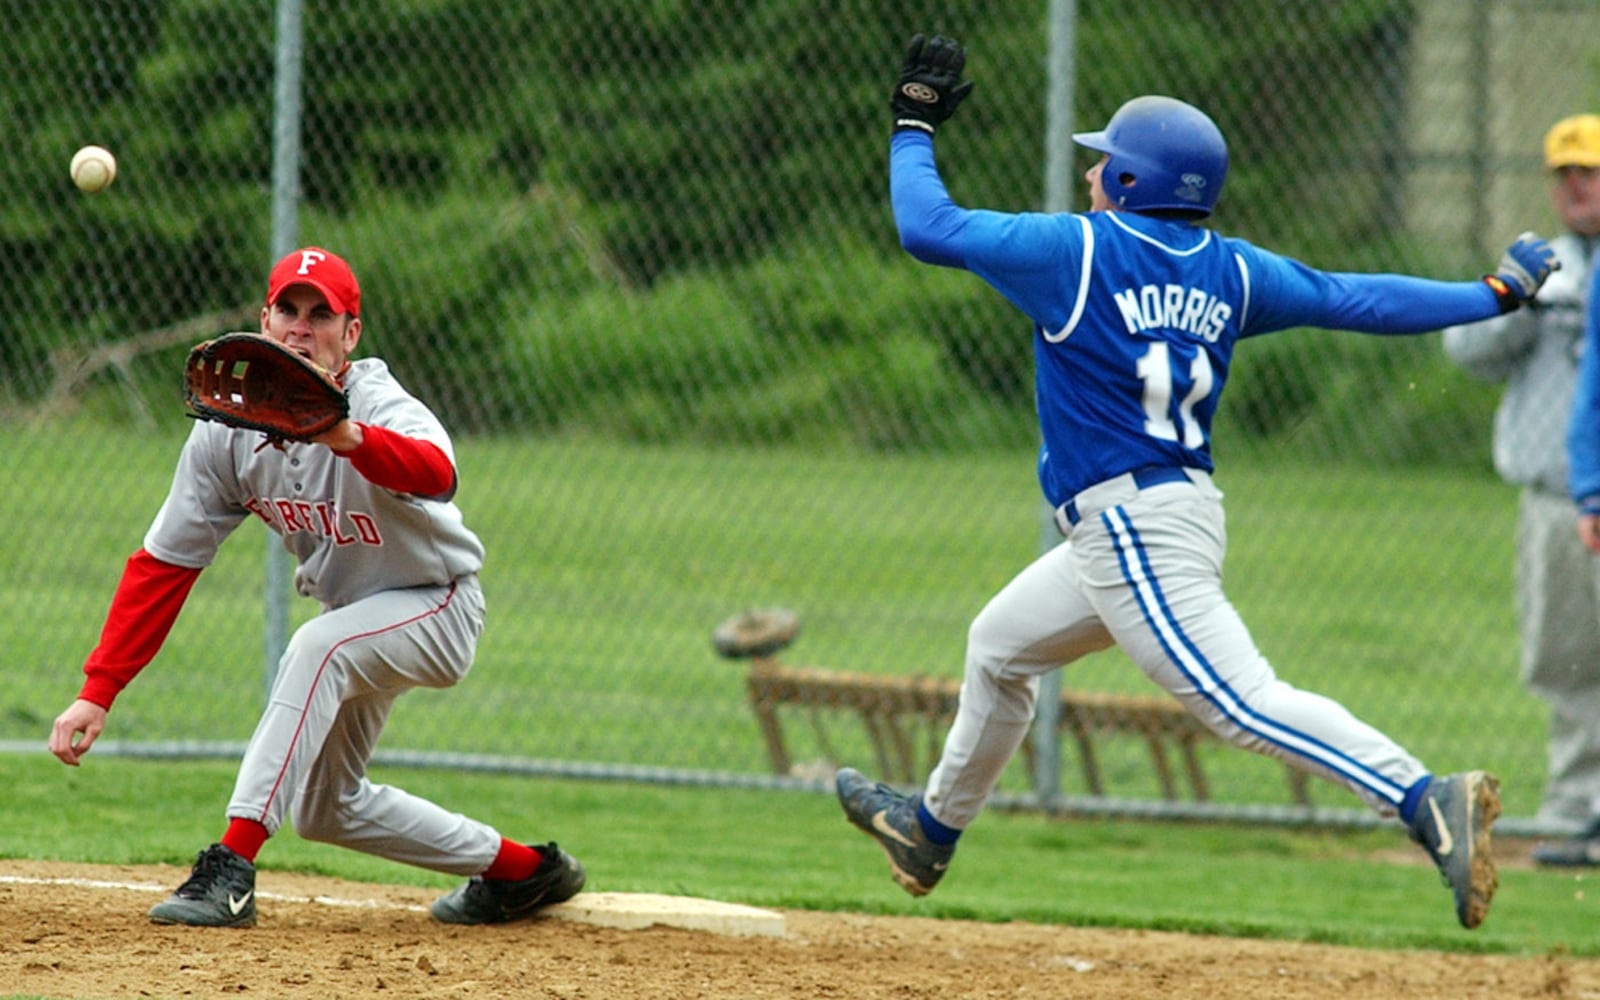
x: 635, y: 910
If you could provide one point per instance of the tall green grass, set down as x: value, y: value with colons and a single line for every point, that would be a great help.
x: 609, y: 566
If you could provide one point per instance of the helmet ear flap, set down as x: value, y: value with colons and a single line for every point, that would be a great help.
x: 1118, y: 178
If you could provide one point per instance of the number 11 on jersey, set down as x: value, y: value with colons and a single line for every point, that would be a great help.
x: 1155, y: 371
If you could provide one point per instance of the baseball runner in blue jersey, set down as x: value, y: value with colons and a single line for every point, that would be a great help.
x: 367, y: 509
x: 1136, y: 310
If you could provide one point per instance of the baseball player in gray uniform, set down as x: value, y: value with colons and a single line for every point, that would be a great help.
x: 1535, y: 352
x: 366, y: 510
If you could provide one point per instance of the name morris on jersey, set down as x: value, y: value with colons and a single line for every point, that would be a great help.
x: 1173, y: 307
x: 289, y: 517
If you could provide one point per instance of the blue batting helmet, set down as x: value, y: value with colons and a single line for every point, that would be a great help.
x: 1165, y: 154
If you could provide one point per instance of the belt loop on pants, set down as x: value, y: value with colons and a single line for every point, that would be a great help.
x: 1067, y: 515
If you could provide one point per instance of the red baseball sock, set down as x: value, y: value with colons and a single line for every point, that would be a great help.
x: 514, y: 863
x: 244, y: 837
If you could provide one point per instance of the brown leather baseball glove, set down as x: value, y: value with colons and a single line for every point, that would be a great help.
x: 251, y: 381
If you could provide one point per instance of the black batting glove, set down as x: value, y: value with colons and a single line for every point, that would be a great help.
x: 930, y: 84
x: 1523, y: 269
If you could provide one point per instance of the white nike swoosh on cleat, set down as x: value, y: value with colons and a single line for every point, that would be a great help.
x: 1447, y: 843
x: 880, y: 823
x: 235, y: 905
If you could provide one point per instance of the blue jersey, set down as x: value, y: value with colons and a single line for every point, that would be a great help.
x: 1135, y: 317
x: 1583, y: 432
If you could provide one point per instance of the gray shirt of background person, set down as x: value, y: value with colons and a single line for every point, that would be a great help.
x: 1534, y: 351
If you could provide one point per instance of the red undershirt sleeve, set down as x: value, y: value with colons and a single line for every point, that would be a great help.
x: 146, y: 603
x: 404, y: 464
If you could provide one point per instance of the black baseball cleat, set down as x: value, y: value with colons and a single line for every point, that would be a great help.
x: 1452, y: 825
x: 558, y: 878
x: 890, y: 818
x: 220, y: 892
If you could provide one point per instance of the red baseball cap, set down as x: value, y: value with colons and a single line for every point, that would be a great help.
x: 324, y: 271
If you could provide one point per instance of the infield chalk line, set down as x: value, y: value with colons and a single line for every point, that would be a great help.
x: 620, y: 910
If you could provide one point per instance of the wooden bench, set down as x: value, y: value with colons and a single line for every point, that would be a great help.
x: 906, y: 718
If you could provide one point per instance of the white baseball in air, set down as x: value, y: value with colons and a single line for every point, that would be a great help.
x: 93, y: 169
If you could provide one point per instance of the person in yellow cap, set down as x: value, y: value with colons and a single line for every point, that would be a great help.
x: 1535, y: 352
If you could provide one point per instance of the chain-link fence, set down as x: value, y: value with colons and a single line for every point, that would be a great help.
x: 639, y: 258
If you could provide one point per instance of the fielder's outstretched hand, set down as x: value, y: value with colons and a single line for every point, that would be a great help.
x: 1527, y: 262
x: 930, y: 83
x: 76, y: 729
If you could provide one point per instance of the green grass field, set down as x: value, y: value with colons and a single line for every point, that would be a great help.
x: 608, y: 568
x: 794, y: 849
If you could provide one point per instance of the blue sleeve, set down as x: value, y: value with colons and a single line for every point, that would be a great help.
x: 930, y: 223
x: 935, y: 230
x: 1286, y: 293
x: 1583, y: 426
x: 1018, y: 253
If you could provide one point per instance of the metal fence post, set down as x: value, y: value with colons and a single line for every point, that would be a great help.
x: 1057, y: 197
x: 286, y: 115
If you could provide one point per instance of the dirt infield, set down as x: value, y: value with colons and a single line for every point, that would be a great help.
x: 78, y: 932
